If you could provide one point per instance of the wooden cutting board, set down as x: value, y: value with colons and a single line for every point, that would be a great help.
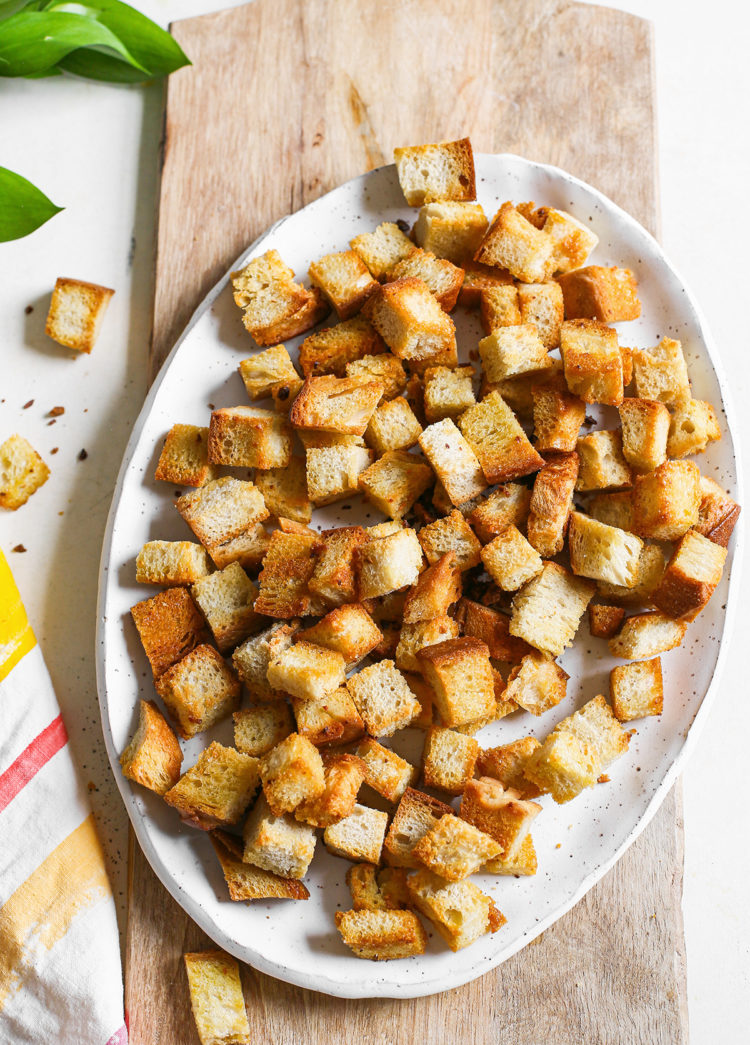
x: 285, y: 100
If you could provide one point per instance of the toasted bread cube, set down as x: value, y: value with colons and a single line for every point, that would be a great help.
x: 592, y: 361
x: 383, y: 699
x: 447, y: 393
x: 548, y: 610
x: 343, y: 778
x: 169, y: 626
x: 336, y: 404
x: 454, y: 849
x: 358, y: 836
x: 334, y: 577
x: 426, y: 698
x: 517, y: 391
x: 645, y: 427
x: 258, y: 729
x: 184, y: 458
x: 384, y: 368
x: 508, y: 505
x: 646, y: 635
x: 558, y: 416
x: 284, y: 491
x: 636, y: 690
x: 512, y: 350
x: 477, y: 279
x: 499, y: 307
x: 385, y: 771
x: 666, y: 502
x: 307, y: 671
x: 279, y: 844
x: 419, y: 635
x: 602, y: 462
x: 693, y: 426
x: 291, y: 773
x: 408, y: 317
x: 661, y: 373
x: 314, y: 309
x: 153, y: 757
x: 247, y: 549
x: 537, y: 683
x: 603, y: 553
x: 460, y: 911
x: 395, y: 481
x: 415, y: 815
x: 334, y: 719
x: 171, y: 563
x: 523, y: 863
x: 252, y: 657
x: 348, y: 630
x: 499, y: 813
x: 451, y: 230
x: 442, y: 277
x: 573, y: 241
x: 22, y: 472
x: 510, y: 560
x: 460, y: 673
x: 691, y: 577
x: 377, y: 889
x: 448, y: 760
x: 500, y: 444
x: 506, y: 763
x: 551, y: 503
x: 541, y: 305
x: 246, y: 882
x: 650, y: 570
x: 393, y: 426
x: 514, y: 244
x: 436, y: 589
x: 76, y: 313
x: 604, y: 621
x: 217, y: 790
x: 333, y: 472
x: 431, y: 173
x: 492, y: 628
x: 382, y: 935
x: 606, y: 294
x: 329, y: 351
x: 389, y: 563
x: 199, y: 690
x: 382, y: 249
x: 718, y: 513
x: 453, y: 460
x: 221, y: 511
x: 266, y: 291
x: 287, y: 567
x: 216, y: 998
x: 345, y: 280
x: 597, y: 728
x: 262, y: 371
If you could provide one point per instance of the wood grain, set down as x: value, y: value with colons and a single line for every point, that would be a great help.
x: 285, y: 100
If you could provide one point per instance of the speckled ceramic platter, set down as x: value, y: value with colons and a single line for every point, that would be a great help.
x: 576, y: 843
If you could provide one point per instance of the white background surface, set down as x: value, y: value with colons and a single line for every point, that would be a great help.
x: 93, y: 149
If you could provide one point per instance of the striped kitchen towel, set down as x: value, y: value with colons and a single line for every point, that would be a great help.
x: 60, y: 969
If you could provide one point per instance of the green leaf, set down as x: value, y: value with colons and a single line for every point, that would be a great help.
x: 23, y: 207
x: 34, y: 41
x: 96, y: 65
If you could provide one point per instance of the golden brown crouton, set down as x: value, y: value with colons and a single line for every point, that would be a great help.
x: 333, y: 719
x: 573, y: 241
x: 329, y: 351
x: 199, y: 690
x: 506, y: 764
x: 279, y: 844
x: 314, y: 309
x: 645, y: 427
x: 460, y: 911
x: 336, y: 404
x: 537, y: 683
x: 349, y: 630
x: 184, y: 459
x: 646, y: 635
x: 22, y: 472
x: 541, y: 305
x: 437, y: 588
x: 246, y: 882
x: 451, y: 230
x: 602, y: 462
x: 603, y: 553
x: 383, y: 699
x: 383, y: 248
x: 498, y: 813
x: 661, y: 373
x: 499, y: 307
x: 415, y: 815
x: 393, y: 426
x: 383, y: 367
x: 262, y: 371
x: 448, y: 759
x: 420, y: 634
x: 524, y: 863
x: 385, y: 771
x: 558, y: 416
x: 604, y: 621
x: 345, y: 280
x: 284, y: 490
x: 221, y: 514
x: 389, y: 563
x: 548, y: 610
x: 171, y: 563
x: 497, y: 439
x: 377, y: 889
x: 636, y: 690
x: 395, y: 481
x: 216, y: 998
x: 170, y: 626
x: 334, y: 576
x: 453, y: 460
x: 343, y: 778
x: 76, y: 313
x: 551, y: 503
x: 430, y: 173
x: 442, y: 277
x: 508, y: 505
x: 266, y: 291
x: 477, y: 279
x: 287, y: 567
x: 252, y: 657
x: 413, y: 325
x: 358, y: 836
x: 258, y: 729
x: 460, y: 673
x: 691, y: 577
x: 614, y: 509
x: 217, y: 790
x: 381, y: 935
x: 666, y: 502
x: 592, y: 360
x: 333, y: 472
x: 492, y: 628
x: 693, y: 426
x: 514, y: 244
x: 606, y: 294
x: 153, y: 757
x: 510, y: 560
x: 291, y: 773
x: 455, y: 849
x: 510, y: 351
x: 650, y: 570
x: 307, y: 671
x: 447, y: 393
x: 718, y: 513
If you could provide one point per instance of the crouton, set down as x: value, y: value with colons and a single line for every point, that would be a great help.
x: 393, y: 426
x: 343, y: 778
x: 284, y: 491
x: 645, y: 427
x: 691, y: 577
x: 279, y: 844
x: 389, y: 563
x: 499, y: 307
x: 442, y: 277
x: 592, y: 361
x: 413, y: 325
x: 246, y: 882
x: 291, y: 773
x: 602, y: 462
x: 266, y: 291
x: 447, y: 393
x: 184, y: 458
x: 258, y: 729
x: 381, y: 935
x: 314, y: 309
x: 382, y: 249
x: 169, y: 626
x: 431, y: 173
x: 541, y: 305
x: 333, y: 719
x: 524, y: 863
x: 510, y: 351
x: 383, y: 699
x: 425, y: 697
x: 358, y: 836
x: 377, y: 889
x: 384, y: 368
x: 329, y: 351
x: 477, y: 279
x: 514, y: 244
x: 171, y: 563
x: 451, y: 230
x: 510, y: 560
x: 649, y: 572
x: 226, y: 599
x: 646, y: 635
x: 265, y: 369
x: 614, y: 509
x: 453, y: 460
x: 153, y: 757
x: 460, y: 673
x: 460, y: 911
x: 221, y: 512
x: 216, y: 998
x: 603, y: 553
x: 492, y: 628
x: 345, y: 280
x: 436, y: 589
x: 22, y: 472
x: 692, y: 427
x: 517, y: 391
x: 420, y: 634
x: 558, y: 416
x: 609, y: 295
x: 395, y: 481
x: 573, y: 241
x: 548, y: 610
x: 508, y: 505
x: 334, y: 577
x: 661, y: 373
x: 506, y: 764
x: 551, y: 503
x: 636, y: 690
x: 385, y: 771
x: 76, y: 312
x: 718, y: 513
x: 448, y: 759
x: 217, y: 790
x: 666, y: 502
x: 500, y: 444
x: 348, y: 630
x: 454, y: 849
x: 287, y: 567
x: 415, y: 815
x: 199, y: 690
x: 336, y: 404
x: 252, y: 657
x: 307, y: 671
x: 604, y: 621
x: 498, y: 813
x: 333, y: 472
x: 537, y: 683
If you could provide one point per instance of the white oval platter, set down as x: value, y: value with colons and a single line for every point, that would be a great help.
x: 577, y: 843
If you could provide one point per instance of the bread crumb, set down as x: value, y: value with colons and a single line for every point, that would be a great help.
x: 27, y: 405
x: 83, y: 455
x: 603, y: 779
x: 19, y: 548
x: 56, y: 411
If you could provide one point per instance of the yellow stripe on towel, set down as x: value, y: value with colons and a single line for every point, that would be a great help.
x: 16, y: 636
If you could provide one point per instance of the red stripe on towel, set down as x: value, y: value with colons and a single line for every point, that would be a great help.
x: 29, y: 762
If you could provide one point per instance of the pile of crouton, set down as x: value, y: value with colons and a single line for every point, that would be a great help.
x: 507, y: 519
